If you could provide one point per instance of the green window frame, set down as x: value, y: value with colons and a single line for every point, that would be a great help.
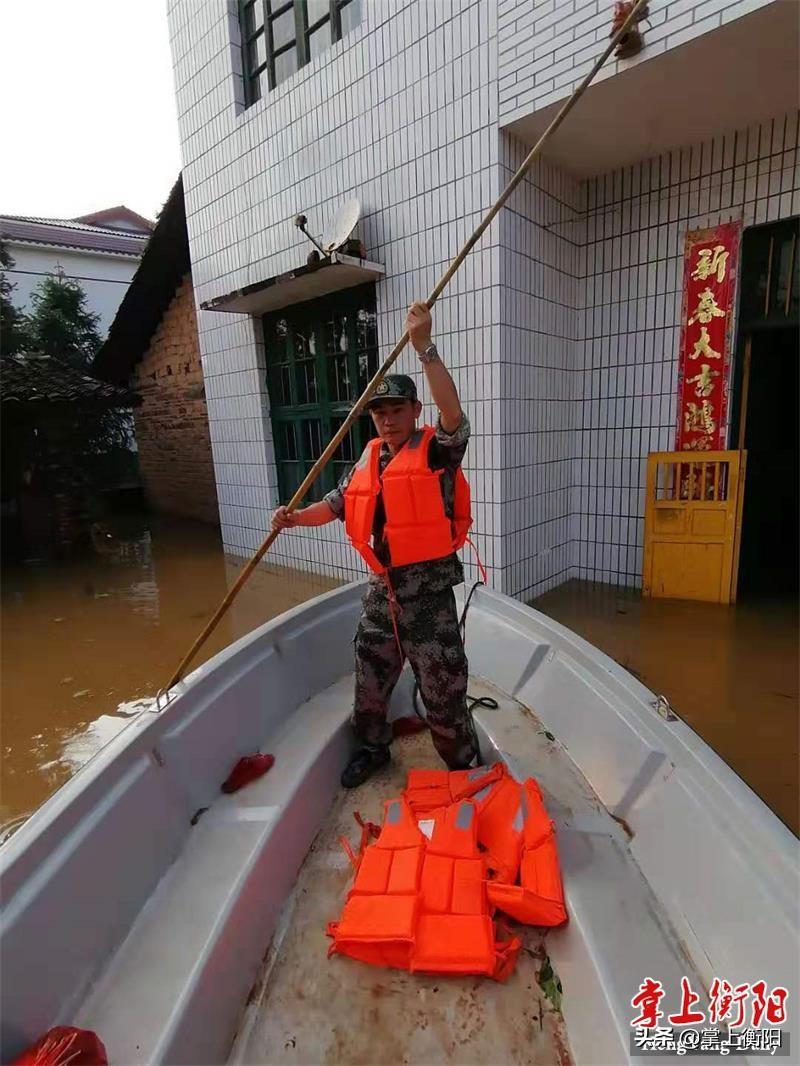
x: 320, y: 356
x: 281, y: 36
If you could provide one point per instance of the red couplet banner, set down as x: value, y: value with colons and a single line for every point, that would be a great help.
x: 709, y: 294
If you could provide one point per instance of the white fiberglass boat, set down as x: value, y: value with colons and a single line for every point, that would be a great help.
x: 188, y: 926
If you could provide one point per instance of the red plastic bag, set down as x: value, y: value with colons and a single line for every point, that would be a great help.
x: 64, y: 1045
x: 247, y: 769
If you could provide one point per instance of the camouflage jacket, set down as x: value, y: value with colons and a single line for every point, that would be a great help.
x: 417, y: 579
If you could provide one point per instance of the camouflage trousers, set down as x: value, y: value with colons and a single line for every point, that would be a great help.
x: 431, y: 641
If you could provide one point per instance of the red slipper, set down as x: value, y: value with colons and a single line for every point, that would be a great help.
x: 64, y: 1045
x: 247, y: 769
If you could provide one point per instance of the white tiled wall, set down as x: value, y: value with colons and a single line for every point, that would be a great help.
x: 540, y: 294
x: 561, y: 330
x: 636, y: 223
x: 401, y: 113
x: 547, y: 46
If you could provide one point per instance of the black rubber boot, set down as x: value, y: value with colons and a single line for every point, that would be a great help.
x: 473, y: 764
x: 363, y: 765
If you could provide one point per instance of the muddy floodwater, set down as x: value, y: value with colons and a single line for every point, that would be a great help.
x: 731, y: 673
x: 83, y: 641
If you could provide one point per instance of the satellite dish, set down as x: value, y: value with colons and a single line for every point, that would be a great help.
x: 343, y: 224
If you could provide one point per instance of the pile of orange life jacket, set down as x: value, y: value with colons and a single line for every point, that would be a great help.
x: 453, y: 848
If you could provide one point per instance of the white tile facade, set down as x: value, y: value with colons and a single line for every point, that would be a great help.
x: 401, y: 113
x: 546, y: 47
x: 540, y: 298
x: 561, y: 328
x: 635, y: 227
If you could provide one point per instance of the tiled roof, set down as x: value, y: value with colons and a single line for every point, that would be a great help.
x: 164, y: 265
x: 70, y: 234
x: 39, y: 379
x: 136, y: 222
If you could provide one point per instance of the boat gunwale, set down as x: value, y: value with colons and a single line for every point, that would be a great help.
x: 140, y: 734
x: 677, y: 736
x: 728, y: 799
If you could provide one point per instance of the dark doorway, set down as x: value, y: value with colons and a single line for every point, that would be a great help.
x: 768, y: 558
x: 766, y: 411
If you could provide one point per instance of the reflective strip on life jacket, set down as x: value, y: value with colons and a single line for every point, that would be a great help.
x: 417, y: 527
x: 429, y: 789
x: 455, y: 932
x: 392, y: 865
x: 498, y: 800
x: 513, y: 828
x: 539, y: 897
x: 472, y: 782
x: 419, y: 898
x: 501, y: 819
x: 454, y: 872
x: 379, y: 921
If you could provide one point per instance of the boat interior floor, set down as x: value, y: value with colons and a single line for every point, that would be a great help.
x: 311, y: 1009
x: 237, y: 871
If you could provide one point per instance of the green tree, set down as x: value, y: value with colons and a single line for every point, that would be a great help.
x: 61, y: 325
x: 14, y: 333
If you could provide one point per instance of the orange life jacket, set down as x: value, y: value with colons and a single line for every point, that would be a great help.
x: 538, y: 899
x: 417, y: 527
x: 515, y: 832
x: 379, y: 920
x: 424, y: 893
x: 419, y: 900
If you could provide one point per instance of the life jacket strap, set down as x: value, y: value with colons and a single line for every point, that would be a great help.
x: 481, y: 567
x: 394, y: 610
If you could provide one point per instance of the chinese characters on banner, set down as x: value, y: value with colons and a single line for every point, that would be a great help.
x: 709, y: 292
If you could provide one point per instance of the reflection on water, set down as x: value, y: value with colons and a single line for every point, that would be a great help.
x: 78, y: 749
x: 86, y: 644
x: 731, y: 673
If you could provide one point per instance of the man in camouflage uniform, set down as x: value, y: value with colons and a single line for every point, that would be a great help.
x: 424, y: 613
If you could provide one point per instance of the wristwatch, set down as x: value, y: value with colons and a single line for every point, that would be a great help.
x: 430, y: 355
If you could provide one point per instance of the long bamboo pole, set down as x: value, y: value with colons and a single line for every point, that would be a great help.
x: 436, y: 292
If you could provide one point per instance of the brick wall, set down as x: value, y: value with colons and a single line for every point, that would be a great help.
x: 172, y: 422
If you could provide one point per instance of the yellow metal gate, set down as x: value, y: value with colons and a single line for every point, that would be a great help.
x: 691, y: 525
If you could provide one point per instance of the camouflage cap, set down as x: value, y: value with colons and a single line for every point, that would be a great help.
x: 394, y: 387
